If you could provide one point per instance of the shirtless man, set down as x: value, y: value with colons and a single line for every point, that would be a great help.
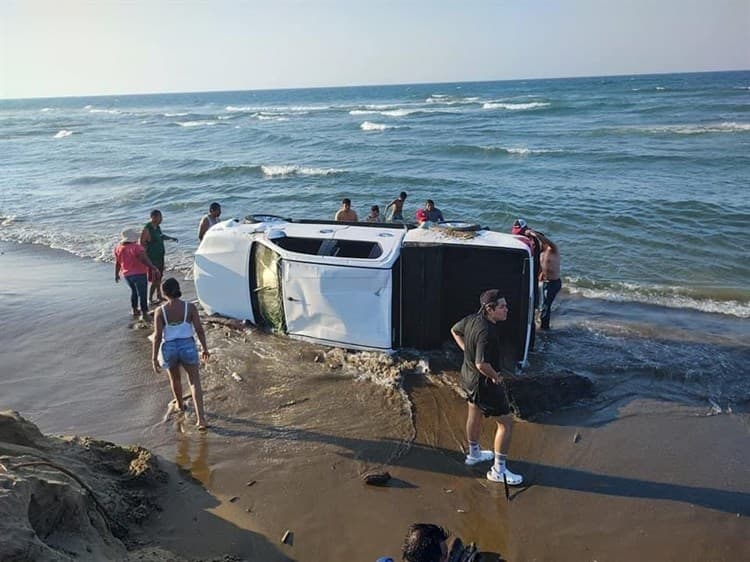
x: 397, y: 215
x: 345, y: 213
x: 549, y: 276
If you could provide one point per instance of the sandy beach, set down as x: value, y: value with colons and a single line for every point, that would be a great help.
x: 614, y: 478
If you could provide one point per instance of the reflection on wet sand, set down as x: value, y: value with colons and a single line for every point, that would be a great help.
x: 197, y: 464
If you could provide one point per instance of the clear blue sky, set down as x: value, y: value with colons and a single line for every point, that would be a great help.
x: 74, y: 47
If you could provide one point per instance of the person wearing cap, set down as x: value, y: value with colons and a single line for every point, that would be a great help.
x: 152, y: 238
x: 214, y: 212
x: 481, y: 380
x: 133, y: 264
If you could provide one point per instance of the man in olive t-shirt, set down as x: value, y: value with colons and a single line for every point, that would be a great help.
x: 152, y: 238
x: 481, y: 380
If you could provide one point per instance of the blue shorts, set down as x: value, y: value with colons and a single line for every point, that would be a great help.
x: 174, y: 352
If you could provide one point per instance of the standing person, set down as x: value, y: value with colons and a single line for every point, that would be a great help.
x: 374, y: 215
x: 214, y: 212
x: 535, y: 241
x: 477, y: 337
x: 549, y: 275
x: 345, y: 213
x: 432, y: 212
x: 131, y: 261
x: 152, y: 238
x: 396, y: 212
x: 175, y: 323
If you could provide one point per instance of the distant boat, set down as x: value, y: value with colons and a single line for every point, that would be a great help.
x: 362, y: 285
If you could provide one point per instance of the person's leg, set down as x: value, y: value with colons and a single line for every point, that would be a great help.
x: 197, y: 392
x: 175, y: 381
x: 473, y: 428
x: 141, y: 283
x: 133, y: 294
x: 499, y: 471
x: 549, y: 292
x: 158, y: 283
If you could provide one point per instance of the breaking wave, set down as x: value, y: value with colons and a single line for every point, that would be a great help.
x: 294, y: 170
x: 515, y: 106
x: 725, y: 127
x: 370, y: 126
x: 670, y: 297
x: 62, y: 133
x: 196, y: 123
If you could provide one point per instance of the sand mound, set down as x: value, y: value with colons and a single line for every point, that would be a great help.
x: 70, y: 498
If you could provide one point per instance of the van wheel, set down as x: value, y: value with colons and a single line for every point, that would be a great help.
x: 263, y: 218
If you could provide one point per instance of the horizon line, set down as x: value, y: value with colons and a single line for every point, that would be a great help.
x: 392, y: 84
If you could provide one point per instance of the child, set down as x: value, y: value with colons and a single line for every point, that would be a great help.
x: 374, y: 215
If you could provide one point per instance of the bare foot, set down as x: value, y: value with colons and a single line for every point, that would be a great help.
x: 202, y: 427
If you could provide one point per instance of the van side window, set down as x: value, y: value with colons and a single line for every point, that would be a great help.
x: 328, y: 247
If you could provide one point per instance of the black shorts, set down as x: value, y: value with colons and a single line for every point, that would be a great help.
x: 490, y: 398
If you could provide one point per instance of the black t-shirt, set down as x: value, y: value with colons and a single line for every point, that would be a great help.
x: 481, y: 345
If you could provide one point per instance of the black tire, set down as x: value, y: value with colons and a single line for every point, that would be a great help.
x: 460, y: 226
x: 263, y: 218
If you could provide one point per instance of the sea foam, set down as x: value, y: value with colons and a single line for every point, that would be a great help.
x: 294, y: 170
x: 669, y: 297
x: 62, y: 133
x: 195, y: 123
x: 515, y: 106
x: 370, y: 126
x: 725, y: 127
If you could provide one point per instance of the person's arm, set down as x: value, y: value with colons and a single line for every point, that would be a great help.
x: 198, y: 327
x: 158, y: 331
x: 459, y: 338
x: 457, y: 331
x: 117, y: 270
x: 202, y: 228
x: 356, y: 219
x: 145, y: 237
x: 440, y: 216
x: 172, y: 238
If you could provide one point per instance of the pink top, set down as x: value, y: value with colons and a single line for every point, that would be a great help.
x: 128, y: 256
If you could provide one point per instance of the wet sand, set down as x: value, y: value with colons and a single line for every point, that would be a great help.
x: 648, y: 479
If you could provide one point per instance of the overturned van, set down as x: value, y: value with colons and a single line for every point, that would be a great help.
x: 361, y: 285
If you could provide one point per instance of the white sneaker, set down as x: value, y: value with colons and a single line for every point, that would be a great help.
x: 483, y: 456
x: 512, y: 478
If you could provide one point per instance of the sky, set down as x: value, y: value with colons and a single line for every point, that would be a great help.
x: 54, y: 48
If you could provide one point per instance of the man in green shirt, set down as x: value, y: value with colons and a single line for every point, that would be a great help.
x: 152, y: 238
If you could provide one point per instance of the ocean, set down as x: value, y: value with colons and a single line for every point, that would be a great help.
x: 643, y: 181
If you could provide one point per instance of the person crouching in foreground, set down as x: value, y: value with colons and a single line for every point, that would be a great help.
x: 480, y: 379
x: 425, y: 542
x: 175, y: 323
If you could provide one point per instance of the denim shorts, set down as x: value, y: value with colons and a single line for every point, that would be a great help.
x: 181, y: 351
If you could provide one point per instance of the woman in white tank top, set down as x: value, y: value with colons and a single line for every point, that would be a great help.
x: 175, y: 324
